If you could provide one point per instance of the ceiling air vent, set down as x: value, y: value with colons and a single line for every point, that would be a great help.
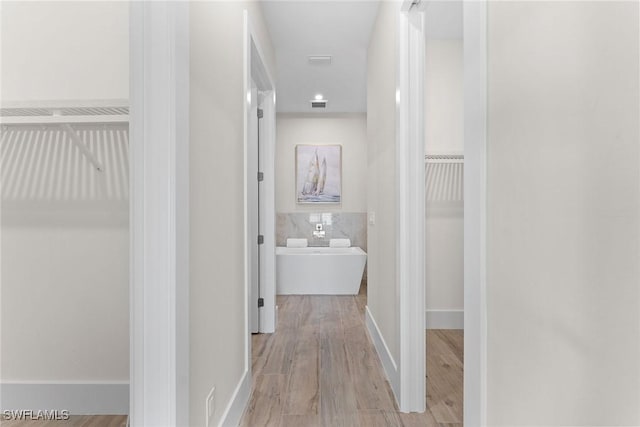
x: 319, y: 59
x: 319, y: 104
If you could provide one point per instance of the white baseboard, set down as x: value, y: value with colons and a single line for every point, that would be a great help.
x: 238, y: 403
x: 77, y: 398
x: 389, y: 365
x: 444, y: 319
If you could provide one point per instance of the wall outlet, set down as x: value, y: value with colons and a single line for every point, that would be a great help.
x: 210, y: 407
x: 372, y: 218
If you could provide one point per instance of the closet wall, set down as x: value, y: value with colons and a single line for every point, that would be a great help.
x: 444, y: 208
x: 79, y: 51
x: 64, y: 225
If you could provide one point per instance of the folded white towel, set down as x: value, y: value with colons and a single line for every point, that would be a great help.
x: 297, y: 243
x: 340, y: 243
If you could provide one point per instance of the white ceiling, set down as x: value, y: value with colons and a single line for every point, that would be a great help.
x: 338, y: 28
x: 342, y: 29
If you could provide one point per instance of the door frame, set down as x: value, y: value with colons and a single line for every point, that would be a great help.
x: 410, y: 166
x: 475, y: 212
x: 410, y: 209
x: 159, y: 214
x: 255, y: 70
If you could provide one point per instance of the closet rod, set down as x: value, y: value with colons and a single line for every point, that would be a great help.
x: 444, y: 158
x: 61, y: 112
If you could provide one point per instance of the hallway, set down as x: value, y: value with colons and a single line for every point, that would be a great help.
x: 320, y: 369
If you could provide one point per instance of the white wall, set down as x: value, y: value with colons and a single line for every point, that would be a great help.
x: 59, y: 50
x: 217, y: 297
x: 563, y: 232
x: 348, y: 130
x: 381, y: 196
x: 65, y: 294
x: 445, y: 261
x: 444, y: 224
x: 444, y: 96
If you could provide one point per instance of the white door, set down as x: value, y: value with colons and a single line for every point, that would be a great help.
x: 260, y: 200
x: 262, y: 230
x: 254, y: 212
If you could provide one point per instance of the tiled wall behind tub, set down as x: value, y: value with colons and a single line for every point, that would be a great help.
x: 339, y: 225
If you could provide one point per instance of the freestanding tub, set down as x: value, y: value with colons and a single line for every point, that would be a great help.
x: 319, y: 270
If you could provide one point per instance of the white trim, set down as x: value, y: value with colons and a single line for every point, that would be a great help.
x: 234, y: 410
x: 410, y: 238
x: 81, y: 398
x: 251, y: 205
x: 384, y: 354
x: 475, y: 208
x: 159, y: 163
x: 268, y: 217
x: 444, y: 319
x: 246, y: 54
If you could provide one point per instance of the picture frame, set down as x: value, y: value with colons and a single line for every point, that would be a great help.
x: 318, y: 174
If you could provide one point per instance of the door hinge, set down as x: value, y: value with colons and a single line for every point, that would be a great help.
x: 260, y: 113
x: 260, y: 176
x: 260, y: 239
x: 260, y: 302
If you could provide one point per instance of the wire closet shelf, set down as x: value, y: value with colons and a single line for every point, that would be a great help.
x: 64, y: 151
x: 444, y: 176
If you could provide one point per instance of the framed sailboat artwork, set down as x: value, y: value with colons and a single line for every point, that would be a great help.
x: 318, y: 174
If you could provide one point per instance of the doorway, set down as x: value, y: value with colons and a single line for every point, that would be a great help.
x: 64, y: 198
x: 444, y: 209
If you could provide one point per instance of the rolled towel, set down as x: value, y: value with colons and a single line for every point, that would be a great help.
x: 340, y: 243
x: 297, y: 243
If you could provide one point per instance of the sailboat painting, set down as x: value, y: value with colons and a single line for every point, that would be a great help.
x: 319, y: 173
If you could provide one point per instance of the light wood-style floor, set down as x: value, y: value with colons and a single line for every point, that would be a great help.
x: 73, y: 421
x: 321, y: 369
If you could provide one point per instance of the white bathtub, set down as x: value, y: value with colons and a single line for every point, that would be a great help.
x: 319, y: 271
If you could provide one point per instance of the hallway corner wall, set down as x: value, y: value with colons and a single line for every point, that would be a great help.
x: 382, y: 288
x: 218, y: 331
x: 563, y: 213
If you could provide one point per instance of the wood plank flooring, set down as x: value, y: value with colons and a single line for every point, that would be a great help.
x: 321, y: 369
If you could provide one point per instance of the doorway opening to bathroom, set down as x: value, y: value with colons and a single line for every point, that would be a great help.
x: 321, y: 167
x: 337, y: 97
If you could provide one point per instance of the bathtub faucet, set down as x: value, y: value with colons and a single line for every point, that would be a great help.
x: 318, y: 233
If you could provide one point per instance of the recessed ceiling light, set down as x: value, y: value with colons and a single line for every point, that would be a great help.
x: 319, y: 97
